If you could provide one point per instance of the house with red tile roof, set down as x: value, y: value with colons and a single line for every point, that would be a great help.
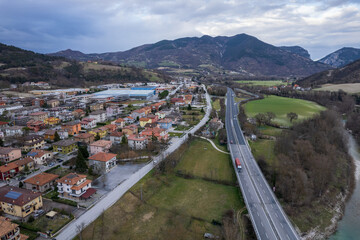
x: 160, y: 134
x: 102, y: 162
x: 137, y: 142
x: 100, y: 146
x: 41, y: 182
x: 73, y: 186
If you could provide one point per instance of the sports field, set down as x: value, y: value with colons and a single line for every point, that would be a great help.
x: 281, y: 106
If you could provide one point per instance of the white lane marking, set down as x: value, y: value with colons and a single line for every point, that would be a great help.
x: 267, y: 236
x: 288, y: 236
x: 282, y: 225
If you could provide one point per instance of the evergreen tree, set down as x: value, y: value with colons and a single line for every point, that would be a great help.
x: 80, y: 164
x: 124, y: 139
x: 97, y: 137
x: 56, y: 137
x: 1, y: 142
x: 84, y: 151
x: 189, y: 107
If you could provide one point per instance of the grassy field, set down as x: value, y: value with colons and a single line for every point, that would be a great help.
x: 281, y: 106
x: 263, y: 148
x: 263, y: 83
x: 175, y: 134
x: 347, y: 87
x: 172, y: 207
x: 213, y: 164
x: 270, y: 131
x: 216, y: 104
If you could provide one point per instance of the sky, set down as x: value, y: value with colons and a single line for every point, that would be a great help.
x: 45, y: 26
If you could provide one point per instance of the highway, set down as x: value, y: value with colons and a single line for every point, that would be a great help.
x: 267, y: 216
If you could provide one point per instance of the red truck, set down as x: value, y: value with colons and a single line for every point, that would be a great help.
x: 238, y: 164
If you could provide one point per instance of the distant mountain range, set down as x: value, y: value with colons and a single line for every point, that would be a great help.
x: 242, y: 54
x: 341, y: 57
x: 19, y: 66
x: 347, y: 74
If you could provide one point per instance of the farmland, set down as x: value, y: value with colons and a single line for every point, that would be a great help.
x: 347, y: 87
x: 163, y: 205
x: 281, y: 106
x: 263, y: 83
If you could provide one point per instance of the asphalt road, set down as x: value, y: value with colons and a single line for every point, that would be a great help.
x: 267, y: 216
x: 72, y: 229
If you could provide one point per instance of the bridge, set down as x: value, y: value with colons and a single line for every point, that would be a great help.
x: 267, y: 216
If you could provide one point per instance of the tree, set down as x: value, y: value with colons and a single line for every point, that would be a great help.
x: 202, y: 110
x: 1, y: 142
x: 80, y: 164
x: 163, y: 94
x: 56, y: 137
x: 260, y: 118
x: 124, y: 139
x: 189, y: 107
x: 270, y: 116
x: 84, y: 151
x: 292, y: 116
x: 97, y: 137
x: 26, y: 168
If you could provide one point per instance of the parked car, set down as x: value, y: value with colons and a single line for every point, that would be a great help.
x: 51, y: 164
x: 21, y: 178
x: 38, y: 213
x: 60, y: 160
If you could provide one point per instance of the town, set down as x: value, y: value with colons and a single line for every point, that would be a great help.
x: 62, y: 150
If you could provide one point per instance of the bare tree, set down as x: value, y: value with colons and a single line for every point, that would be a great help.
x: 79, y: 229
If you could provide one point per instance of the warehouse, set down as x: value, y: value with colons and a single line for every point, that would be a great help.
x: 116, y: 93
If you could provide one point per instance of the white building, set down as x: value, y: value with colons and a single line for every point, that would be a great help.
x: 137, y: 142
x: 14, y: 131
x: 73, y: 185
x: 102, y: 162
x: 99, y: 116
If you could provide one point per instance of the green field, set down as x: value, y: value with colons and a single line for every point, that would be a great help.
x: 173, y: 207
x: 216, y: 104
x: 263, y: 148
x: 281, y: 106
x: 263, y: 83
x: 270, y: 131
x: 213, y: 164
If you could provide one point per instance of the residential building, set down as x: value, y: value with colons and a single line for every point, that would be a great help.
x: 19, y: 202
x: 50, y: 134
x: 10, y: 230
x: 88, y: 123
x: 100, y: 146
x: 73, y: 186
x: 38, y: 102
x: 39, y: 116
x: 139, y: 113
x: 110, y: 127
x: 144, y: 121
x: 41, y: 182
x: 35, y: 125
x: 40, y: 156
x: 66, y: 116
x: 63, y: 134
x: 65, y: 146
x: 116, y: 137
x: 99, y: 116
x: 112, y: 111
x: 79, y: 113
x: 53, y: 103
x: 161, y: 114
x: 33, y: 142
x: 52, y: 121
x: 14, y: 131
x: 3, y: 125
x: 130, y: 130
x: 72, y: 128
x: 188, y: 99
x: 129, y: 119
x: 102, y: 162
x: 165, y: 123
x: 137, y: 142
x: 101, y: 131
x: 96, y: 106
x: 8, y: 154
x: 11, y: 169
x: 177, y: 101
x: 120, y: 123
x: 86, y: 138
x: 159, y: 133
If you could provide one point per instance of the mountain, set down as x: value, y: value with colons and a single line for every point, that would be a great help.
x: 241, y: 53
x: 347, y: 74
x: 19, y: 66
x: 297, y: 50
x: 341, y: 57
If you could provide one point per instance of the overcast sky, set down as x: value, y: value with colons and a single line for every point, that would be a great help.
x: 90, y: 26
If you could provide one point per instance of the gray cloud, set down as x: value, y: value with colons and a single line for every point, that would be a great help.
x: 109, y: 25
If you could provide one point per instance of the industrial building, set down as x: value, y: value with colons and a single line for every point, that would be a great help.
x: 118, y: 94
